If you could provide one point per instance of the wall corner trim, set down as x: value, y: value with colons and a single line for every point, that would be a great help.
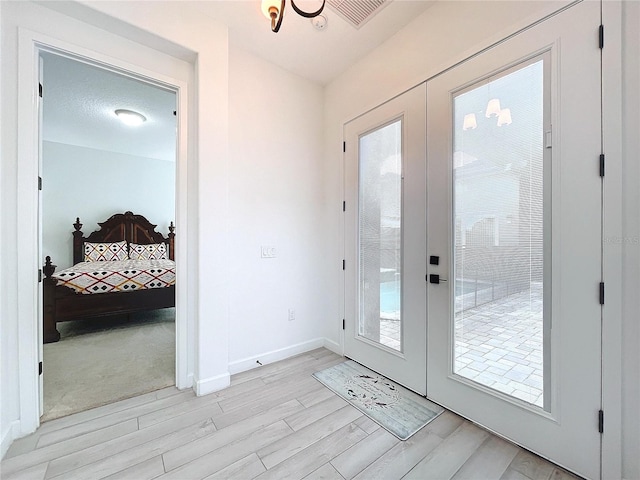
x: 335, y: 347
x: 8, y: 437
x: 212, y: 384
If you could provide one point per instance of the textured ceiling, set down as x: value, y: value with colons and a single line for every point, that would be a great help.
x: 79, y: 101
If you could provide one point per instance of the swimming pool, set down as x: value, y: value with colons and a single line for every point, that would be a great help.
x: 390, y: 293
x: 390, y: 297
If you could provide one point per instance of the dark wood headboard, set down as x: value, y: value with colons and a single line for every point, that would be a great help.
x: 122, y: 226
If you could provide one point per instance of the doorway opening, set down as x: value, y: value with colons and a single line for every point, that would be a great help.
x: 94, y: 166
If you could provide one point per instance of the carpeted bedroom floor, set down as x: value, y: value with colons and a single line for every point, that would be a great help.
x: 102, y: 361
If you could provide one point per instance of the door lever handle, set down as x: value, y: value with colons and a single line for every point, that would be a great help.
x: 435, y: 278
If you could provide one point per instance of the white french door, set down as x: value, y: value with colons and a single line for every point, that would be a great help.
x: 514, y: 217
x: 385, y: 252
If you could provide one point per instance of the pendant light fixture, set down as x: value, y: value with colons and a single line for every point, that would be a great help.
x: 505, y: 117
x: 469, y: 122
x: 274, y: 10
x: 493, y: 108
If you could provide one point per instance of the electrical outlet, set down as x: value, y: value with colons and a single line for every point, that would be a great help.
x: 267, y: 251
x: 292, y: 314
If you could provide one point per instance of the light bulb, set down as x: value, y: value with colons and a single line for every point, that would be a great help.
x: 268, y: 5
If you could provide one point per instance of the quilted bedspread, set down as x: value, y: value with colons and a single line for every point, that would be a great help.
x: 118, y: 276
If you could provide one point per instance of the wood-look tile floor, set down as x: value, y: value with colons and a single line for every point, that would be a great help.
x: 273, y: 422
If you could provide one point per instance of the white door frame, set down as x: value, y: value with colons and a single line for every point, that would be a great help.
x: 612, y: 315
x: 29, y: 45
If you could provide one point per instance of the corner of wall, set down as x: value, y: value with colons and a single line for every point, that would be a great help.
x: 8, y: 437
x: 211, y: 384
x: 335, y: 347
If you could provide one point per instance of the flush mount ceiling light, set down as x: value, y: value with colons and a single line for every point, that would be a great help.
x: 274, y: 10
x: 129, y: 117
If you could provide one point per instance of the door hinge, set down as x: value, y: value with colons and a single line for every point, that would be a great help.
x: 343, y: 264
x: 601, y: 421
x: 39, y: 183
x: 39, y: 275
x: 344, y: 324
x: 40, y: 90
x: 601, y: 36
x: 344, y: 206
x: 602, y: 164
x: 40, y: 368
x: 601, y: 293
x: 344, y: 146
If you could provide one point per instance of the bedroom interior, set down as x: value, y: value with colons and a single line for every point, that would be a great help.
x: 264, y: 172
x: 110, y: 348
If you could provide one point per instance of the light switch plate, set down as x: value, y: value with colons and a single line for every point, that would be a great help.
x: 267, y: 251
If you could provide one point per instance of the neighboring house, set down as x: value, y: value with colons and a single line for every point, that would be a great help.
x: 268, y: 171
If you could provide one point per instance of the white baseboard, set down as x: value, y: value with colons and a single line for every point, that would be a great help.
x: 211, y: 384
x: 274, y: 356
x: 335, y: 347
x: 189, y: 383
x: 8, y: 437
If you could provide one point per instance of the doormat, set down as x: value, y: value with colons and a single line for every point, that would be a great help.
x: 398, y: 410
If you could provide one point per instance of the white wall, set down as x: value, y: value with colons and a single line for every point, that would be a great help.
x: 269, y: 192
x: 8, y: 373
x: 18, y: 392
x: 447, y: 33
x: 275, y: 199
x: 9, y: 399
x: 93, y: 185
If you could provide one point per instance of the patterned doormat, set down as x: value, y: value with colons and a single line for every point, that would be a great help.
x: 398, y: 410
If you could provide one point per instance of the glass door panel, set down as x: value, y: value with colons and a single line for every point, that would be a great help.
x: 385, y: 249
x: 499, y: 234
x: 380, y: 235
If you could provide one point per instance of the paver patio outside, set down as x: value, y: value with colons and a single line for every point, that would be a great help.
x: 497, y: 344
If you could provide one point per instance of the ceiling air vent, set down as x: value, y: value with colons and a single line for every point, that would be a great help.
x: 357, y: 12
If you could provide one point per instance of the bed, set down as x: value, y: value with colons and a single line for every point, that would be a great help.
x: 128, y: 270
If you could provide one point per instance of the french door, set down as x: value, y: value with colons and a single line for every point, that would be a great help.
x: 385, y: 250
x: 514, y: 218
x: 472, y: 276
